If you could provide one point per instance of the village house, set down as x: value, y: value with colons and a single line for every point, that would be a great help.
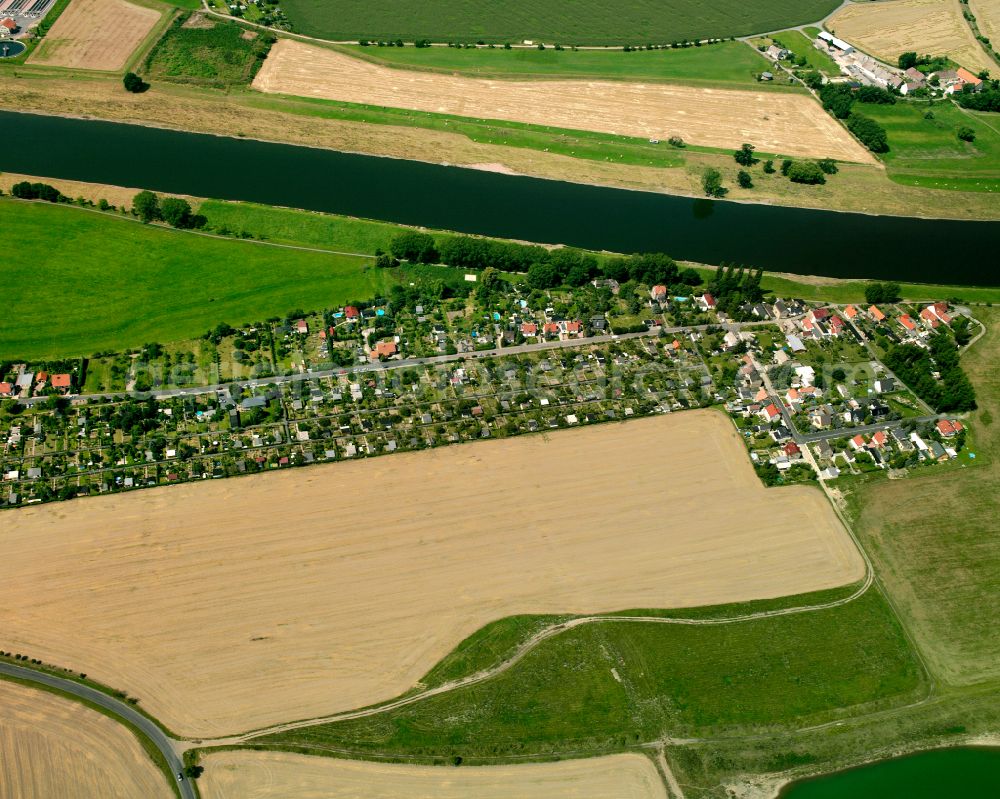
x: 858, y: 443
x: 885, y: 385
x: 63, y: 382
x: 529, y: 329
x: 658, y: 293
x: 351, y: 313
x: 706, y: 302
x: 876, y: 314
x: 384, y: 349
x: 907, y: 324
x: 949, y: 428
x: 850, y: 312
x: 769, y: 413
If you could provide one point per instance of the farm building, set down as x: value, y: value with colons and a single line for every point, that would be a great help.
x: 833, y: 42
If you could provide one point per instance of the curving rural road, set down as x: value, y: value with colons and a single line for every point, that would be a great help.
x: 119, y: 710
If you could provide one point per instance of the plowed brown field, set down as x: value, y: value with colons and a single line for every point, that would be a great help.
x: 789, y: 124
x: 238, y: 603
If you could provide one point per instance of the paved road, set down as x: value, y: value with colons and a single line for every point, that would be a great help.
x: 116, y: 708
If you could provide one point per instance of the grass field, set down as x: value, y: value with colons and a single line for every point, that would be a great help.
x: 51, y: 746
x: 800, y: 45
x: 96, y: 34
x: 360, y: 612
x: 928, y: 152
x: 196, y: 50
x: 719, y: 64
x: 564, y: 21
x: 608, y: 687
x: 118, y: 284
x: 774, y: 122
x: 936, y: 538
x: 280, y: 775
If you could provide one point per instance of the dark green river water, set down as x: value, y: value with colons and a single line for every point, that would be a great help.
x: 961, y: 773
x: 471, y: 201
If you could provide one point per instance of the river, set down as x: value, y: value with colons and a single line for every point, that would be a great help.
x: 472, y: 201
x: 961, y: 773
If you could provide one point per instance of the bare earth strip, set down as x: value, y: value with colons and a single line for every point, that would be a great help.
x: 889, y: 28
x: 789, y: 124
x: 280, y: 775
x: 987, y: 14
x: 95, y: 34
x: 239, y: 603
x: 54, y: 747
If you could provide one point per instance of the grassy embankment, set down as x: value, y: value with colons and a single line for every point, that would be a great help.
x: 726, y: 64
x: 186, y: 283
x: 586, y: 22
x: 608, y: 687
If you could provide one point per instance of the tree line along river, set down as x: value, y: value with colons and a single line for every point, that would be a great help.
x: 775, y: 238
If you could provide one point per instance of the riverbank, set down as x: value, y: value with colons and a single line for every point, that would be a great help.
x: 247, y: 114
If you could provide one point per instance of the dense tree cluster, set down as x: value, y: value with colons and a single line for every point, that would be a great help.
x: 806, y: 172
x: 875, y: 95
x: 37, y: 191
x: 915, y: 367
x: 876, y: 293
x: 837, y: 98
x: 173, y: 210
x: 987, y: 100
x: 733, y: 286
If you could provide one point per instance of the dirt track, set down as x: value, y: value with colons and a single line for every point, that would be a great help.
x: 280, y: 775
x: 789, y: 124
x: 889, y: 28
x: 54, y: 747
x: 95, y: 34
x: 240, y: 603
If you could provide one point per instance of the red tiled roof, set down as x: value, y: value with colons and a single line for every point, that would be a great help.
x: 876, y: 313
x: 572, y: 327
x: 6, y: 388
x: 61, y: 381
x: 967, y: 77
x: 529, y: 328
x: 906, y: 322
x: 351, y: 312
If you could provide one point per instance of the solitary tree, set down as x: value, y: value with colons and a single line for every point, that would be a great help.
x: 146, y: 205
x: 965, y: 133
x: 744, y: 179
x: 176, y: 212
x: 711, y: 182
x: 744, y: 155
x: 134, y: 83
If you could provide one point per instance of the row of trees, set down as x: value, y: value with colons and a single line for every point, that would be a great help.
x: 733, y: 286
x: 838, y: 99
x: 545, y: 268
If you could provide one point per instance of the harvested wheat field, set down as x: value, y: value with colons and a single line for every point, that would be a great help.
x: 54, y: 747
x: 789, y: 124
x: 238, y: 603
x: 95, y: 34
x: 987, y: 13
x: 889, y: 28
x: 280, y: 775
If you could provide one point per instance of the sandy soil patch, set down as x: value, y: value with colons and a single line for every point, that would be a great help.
x: 780, y: 123
x: 95, y: 192
x: 95, y: 34
x: 280, y: 775
x: 54, y: 747
x: 987, y: 14
x: 889, y: 28
x: 239, y: 603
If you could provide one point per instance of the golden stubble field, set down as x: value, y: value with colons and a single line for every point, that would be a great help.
x: 886, y: 29
x: 789, y: 124
x: 95, y: 34
x: 235, y: 604
x: 54, y: 747
x: 987, y: 14
x: 281, y: 775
